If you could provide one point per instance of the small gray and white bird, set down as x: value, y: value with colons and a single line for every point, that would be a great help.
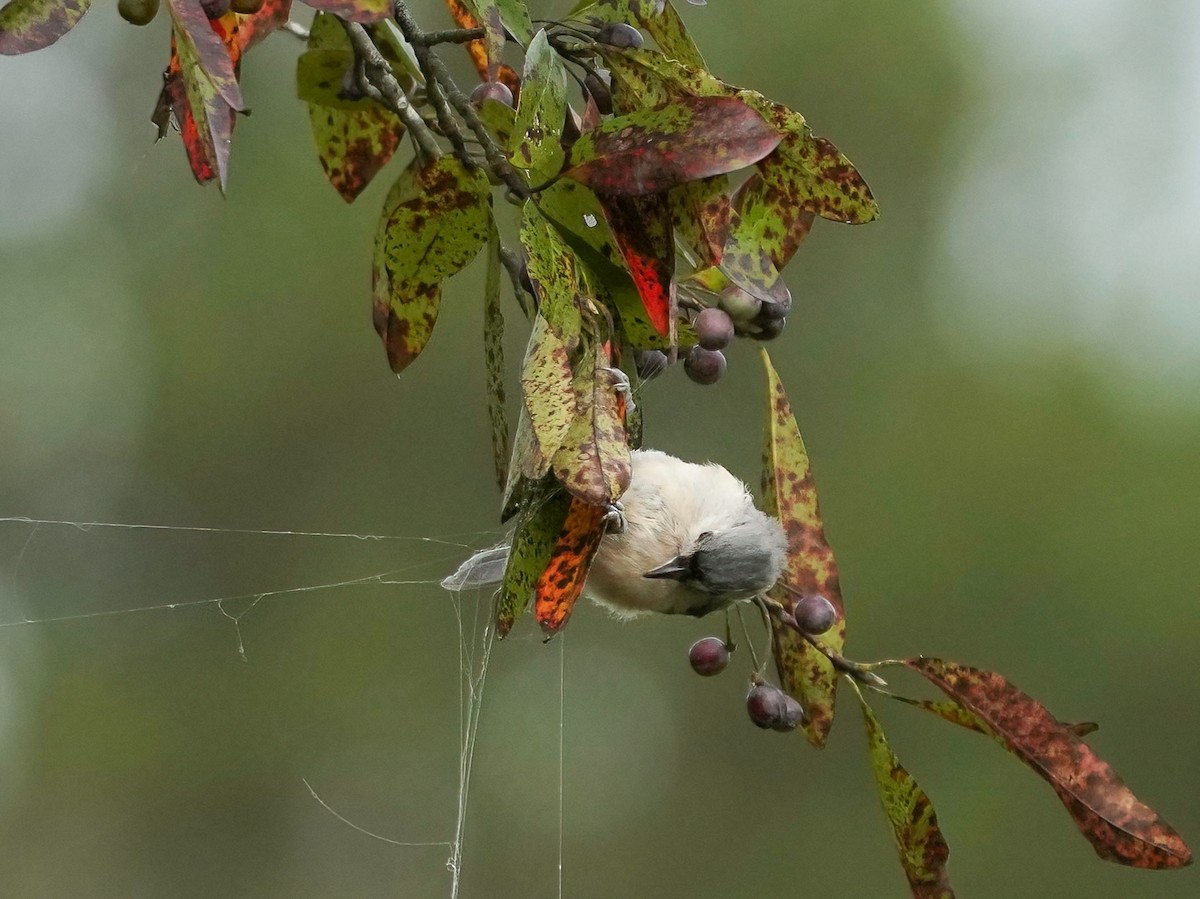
x: 693, y: 542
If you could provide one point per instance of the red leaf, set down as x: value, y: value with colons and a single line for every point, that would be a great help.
x: 641, y: 226
x: 211, y: 52
x: 650, y: 150
x: 1119, y: 827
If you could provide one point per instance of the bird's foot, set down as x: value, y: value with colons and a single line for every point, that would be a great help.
x: 622, y: 386
x: 614, y: 519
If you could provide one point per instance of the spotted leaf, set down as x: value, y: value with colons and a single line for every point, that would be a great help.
x: 27, y: 25
x: 593, y: 461
x: 657, y: 17
x: 553, y: 272
x: 790, y: 494
x: 546, y: 391
x: 1120, y: 827
x: 493, y: 355
x: 541, y: 519
x: 537, y: 134
x: 354, y: 10
x: 919, y: 841
x: 435, y: 219
x: 651, y: 150
x: 561, y: 582
x: 203, y: 52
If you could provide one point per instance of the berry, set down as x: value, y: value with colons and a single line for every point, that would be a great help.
x: 814, y: 614
x: 793, y: 715
x: 714, y: 329
x: 246, y: 7
x: 704, y: 366
x: 621, y: 36
x: 492, y: 90
x: 214, y: 9
x: 650, y: 363
x: 709, y: 656
x: 776, y: 311
x: 741, y: 306
x: 138, y: 12
x: 767, y: 330
x: 767, y: 706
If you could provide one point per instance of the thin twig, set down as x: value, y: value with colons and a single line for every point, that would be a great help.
x: 451, y: 36
x: 515, y: 266
x: 379, y: 83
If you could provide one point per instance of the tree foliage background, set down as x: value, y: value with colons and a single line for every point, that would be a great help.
x: 997, y: 382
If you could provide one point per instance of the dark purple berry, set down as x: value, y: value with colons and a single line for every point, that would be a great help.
x: 741, y: 306
x: 492, y: 90
x: 770, y: 312
x: 767, y: 706
x: 138, y: 12
x: 709, y: 656
x: 621, y: 36
x: 214, y: 9
x: 714, y: 329
x: 650, y: 363
x: 704, y: 366
x: 814, y: 614
x: 793, y: 715
x: 769, y: 330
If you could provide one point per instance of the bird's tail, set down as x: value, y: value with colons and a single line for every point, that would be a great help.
x: 484, y: 568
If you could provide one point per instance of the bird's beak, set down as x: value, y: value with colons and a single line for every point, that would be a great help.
x: 677, y: 569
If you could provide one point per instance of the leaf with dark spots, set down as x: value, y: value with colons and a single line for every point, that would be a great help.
x: 593, y: 462
x: 497, y: 17
x: 700, y: 212
x: 765, y: 229
x: 354, y: 10
x: 526, y: 465
x: 536, y: 145
x: 641, y: 226
x: 651, y: 150
x: 27, y: 25
x: 790, y: 494
x: 1119, y: 827
x: 657, y: 17
x: 541, y: 519
x: 561, y: 582
x: 203, y: 52
x: 435, y: 219
x: 493, y: 356
x: 546, y: 391
x: 355, y: 137
x: 919, y: 841
x: 553, y: 272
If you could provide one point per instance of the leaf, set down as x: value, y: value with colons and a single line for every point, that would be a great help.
x: 641, y: 227
x: 205, y: 120
x: 593, y: 462
x: 540, y: 522
x: 495, y: 16
x: 700, y: 212
x: 27, y: 25
x: 919, y: 841
x: 650, y: 150
x: 355, y: 138
x: 537, y: 134
x: 562, y: 581
x: 827, y: 183
x: 790, y: 494
x: 553, y: 272
x: 546, y: 391
x: 657, y: 17
x: 354, y: 10
x: 434, y: 221
x: 493, y: 354
x: 1119, y: 827
x: 203, y: 54
x: 526, y: 465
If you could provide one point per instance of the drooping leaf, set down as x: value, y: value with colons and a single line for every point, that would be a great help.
x: 244, y: 31
x: 824, y: 180
x: 526, y: 465
x: 1120, y: 827
x: 27, y: 25
x: 700, y: 212
x: 464, y: 17
x: 495, y: 17
x: 354, y: 10
x: 546, y: 391
x: 537, y: 134
x: 355, y: 137
x: 593, y: 462
x: 641, y: 226
x: 541, y: 520
x: 657, y: 17
x: 554, y: 274
x: 205, y: 120
x: 919, y: 841
x: 203, y: 53
x: 651, y: 150
x: 562, y: 580
x: 493, y: 355
x: 790, y: 494
x: 435, y: 219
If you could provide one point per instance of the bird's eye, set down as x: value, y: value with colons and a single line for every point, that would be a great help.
x: 703, y: 538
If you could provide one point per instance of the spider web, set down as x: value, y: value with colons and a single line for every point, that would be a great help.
x: 472, y: 623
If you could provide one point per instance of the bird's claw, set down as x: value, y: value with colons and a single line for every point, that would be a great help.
x: 622, y: 386
x: 614, y: 519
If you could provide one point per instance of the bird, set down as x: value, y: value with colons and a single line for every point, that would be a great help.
x: 689, y: 541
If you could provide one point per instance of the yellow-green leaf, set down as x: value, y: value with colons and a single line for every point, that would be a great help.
x: 493, y: 353
x: 537, y: 135
x: 546, y: 389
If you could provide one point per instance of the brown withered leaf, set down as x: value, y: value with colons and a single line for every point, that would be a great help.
x: 1119, y: 827
x: 790, y: 494
x: 561, y: 582
x: 27, y: 25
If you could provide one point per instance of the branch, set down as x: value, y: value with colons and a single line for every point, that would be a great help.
x: 452, y: 36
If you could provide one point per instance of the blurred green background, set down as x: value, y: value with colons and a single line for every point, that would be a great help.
x: 997, y: 382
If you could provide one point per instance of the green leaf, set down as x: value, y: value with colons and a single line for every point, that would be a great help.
x: 700, y: 212
x: 434, y: 221
x: 790, y: 494
x: 657, y: 17
x: 1120, y: 827
x: 546, y: 390
x: 493, y: 354
x: 355, y: 138
x: 554, y: 274
x: 203, y: 53
x: 354, y: 10
x: 593, y: 462
x: 919, y: 841
x: 541, y: 519
x: 27, y: 25
x: 537, y: 134
x: 650, y: 150
x: 495, y: 16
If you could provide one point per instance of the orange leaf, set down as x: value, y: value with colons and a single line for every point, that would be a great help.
x: 562, y: 581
